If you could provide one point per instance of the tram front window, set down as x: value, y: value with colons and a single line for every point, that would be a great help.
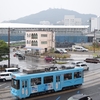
x: 15, y: 83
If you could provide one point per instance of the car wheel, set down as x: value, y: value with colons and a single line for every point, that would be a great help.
x: 4, y: 79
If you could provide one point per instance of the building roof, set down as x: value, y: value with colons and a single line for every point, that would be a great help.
x: 21, y: 25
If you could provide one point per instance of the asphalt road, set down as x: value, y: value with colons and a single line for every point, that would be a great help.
x: 93, y: 91
x: 31, y: 62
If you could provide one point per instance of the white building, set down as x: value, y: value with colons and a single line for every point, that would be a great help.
x: 69, y: 33
x: 71, y: 20
x: 44, y: 23
x: 95, y: 23
x: 40, y: 40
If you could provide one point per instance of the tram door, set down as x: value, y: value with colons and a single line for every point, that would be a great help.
x: 25, y: 89
x: 58, y: 84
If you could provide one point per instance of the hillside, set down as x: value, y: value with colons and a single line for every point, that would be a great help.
x: 52, y: 15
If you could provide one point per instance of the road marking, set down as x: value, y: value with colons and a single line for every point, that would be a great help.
x: 58, y: 98
x: 2, y: 84
x: 7, y: 87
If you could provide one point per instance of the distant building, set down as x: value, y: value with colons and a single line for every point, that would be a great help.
x: 44, y: 23
x: 71, y: 20
x: 44, y: 40
x: 72, y: 33
x: 95, y: 23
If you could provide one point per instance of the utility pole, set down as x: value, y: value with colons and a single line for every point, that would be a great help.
x: 8, y: 47
x: 94, y: 39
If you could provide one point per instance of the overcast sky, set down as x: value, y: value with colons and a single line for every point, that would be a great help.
x: 14, y: 9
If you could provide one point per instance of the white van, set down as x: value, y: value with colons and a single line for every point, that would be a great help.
x: 5, y: 76
x: 79, y: 48
x: 11, y: 69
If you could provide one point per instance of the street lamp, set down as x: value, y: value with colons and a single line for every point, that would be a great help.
x: 8, y: 47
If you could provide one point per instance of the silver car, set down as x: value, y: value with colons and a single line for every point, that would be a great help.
x: 80, y: 97
x: 84, y: 65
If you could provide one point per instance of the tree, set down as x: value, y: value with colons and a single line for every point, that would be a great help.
x: 4, y: 50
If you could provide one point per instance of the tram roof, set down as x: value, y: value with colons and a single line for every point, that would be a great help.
x: 21, y: 25
x: 24, y: 74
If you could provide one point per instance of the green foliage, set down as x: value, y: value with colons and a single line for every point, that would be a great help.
x: 4, y: 50
x: 97, y: 45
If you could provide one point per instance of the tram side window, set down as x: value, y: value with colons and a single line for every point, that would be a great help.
x: 77, y: 74
x: 35, y: 81
x: 57, y: 78
x: 48, y: 79
x: 24, y: 84
x: 68, y: 76
x: 15, y: 84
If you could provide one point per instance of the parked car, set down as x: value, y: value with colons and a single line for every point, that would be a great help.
x: 84, y: 65
x: 12, y: 69
x: 79, y: 48
x: 19, y: 55
x: 80, y: 97
x: 92, y: 60
x: 63, y: 50
x: 76, y: 62
x: 69, y: 49
x: 49, y: 58
x: 5, y: 76
x: 59, y: 50
x: 16, y: 54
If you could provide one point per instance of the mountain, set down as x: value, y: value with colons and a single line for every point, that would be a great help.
x: 52, y: 15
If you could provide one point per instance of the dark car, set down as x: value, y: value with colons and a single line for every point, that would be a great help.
x: 80, y: 97
x: 57, y: 51
x: 92, y: 60
x: 19, y: 55
x: 49, y: 58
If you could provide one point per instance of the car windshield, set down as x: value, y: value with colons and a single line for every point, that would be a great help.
x: 84, y: 65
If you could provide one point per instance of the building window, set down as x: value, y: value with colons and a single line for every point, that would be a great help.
x: 43, y: 42
x: 34, y: 43
x: 43, y: 35
x: 27, y: 41
x: 34, y: 36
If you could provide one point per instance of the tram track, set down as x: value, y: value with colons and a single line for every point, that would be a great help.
x: 59, y: 93
x: 7, y: 98
x: 91, y: 71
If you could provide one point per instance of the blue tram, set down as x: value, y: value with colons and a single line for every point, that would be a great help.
x: 49, y: 79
